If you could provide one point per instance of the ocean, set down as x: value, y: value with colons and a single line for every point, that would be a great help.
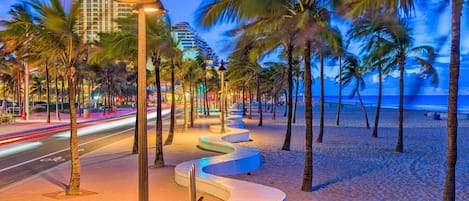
x: 436, y: 103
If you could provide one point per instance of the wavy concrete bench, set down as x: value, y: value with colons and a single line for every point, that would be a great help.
x: 237, y: 160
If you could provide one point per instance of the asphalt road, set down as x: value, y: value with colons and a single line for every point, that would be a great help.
x: 53, y: 150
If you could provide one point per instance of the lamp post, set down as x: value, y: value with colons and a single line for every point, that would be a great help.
x: 222, y: 70
x: 155, y: 7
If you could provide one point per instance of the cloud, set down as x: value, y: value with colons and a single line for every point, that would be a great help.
x: 375, y: 78
x: 394, y: 74
x: 442, y: 59
x: 434, y: 91
x: 415, y: 70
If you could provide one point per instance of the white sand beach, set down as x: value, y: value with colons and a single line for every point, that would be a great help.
x: 350, y: 165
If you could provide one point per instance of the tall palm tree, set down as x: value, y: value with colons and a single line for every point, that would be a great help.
x: 162, y: 45
x: 327, y: 40
x: 338, y: 53
x: 174, y: 60
x: 57, y: 21
x: 371, y: 27
x: 311, y: 19
x: 400, y: 45
x: 192, y: 77
x: 353, y: 72
x: 449, y: 192
x: 298, y: 74
x: 16, y: 39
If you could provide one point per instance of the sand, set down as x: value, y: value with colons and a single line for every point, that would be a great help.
x: 350, y: 165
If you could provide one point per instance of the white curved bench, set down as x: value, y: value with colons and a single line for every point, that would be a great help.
x: 237, y: 160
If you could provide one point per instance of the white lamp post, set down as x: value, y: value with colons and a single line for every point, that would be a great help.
x: 155, y: 7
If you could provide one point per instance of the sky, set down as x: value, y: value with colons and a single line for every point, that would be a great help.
x: 426, y: 29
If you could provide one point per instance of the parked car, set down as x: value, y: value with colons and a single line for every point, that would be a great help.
x: 7, y: 104
x: 39, y: 106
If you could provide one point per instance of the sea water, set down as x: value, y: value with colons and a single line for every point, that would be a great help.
x: 436, y: 103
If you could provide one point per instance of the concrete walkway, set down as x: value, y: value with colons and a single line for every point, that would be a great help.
x: 236, y: 160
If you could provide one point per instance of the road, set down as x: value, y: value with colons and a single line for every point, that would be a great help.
x: 20, y: 161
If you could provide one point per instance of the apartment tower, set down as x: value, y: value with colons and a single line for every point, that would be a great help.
x: 99, y: 16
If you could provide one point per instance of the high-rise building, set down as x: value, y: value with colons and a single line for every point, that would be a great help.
x: 192, y: 44
x: 99, y: 16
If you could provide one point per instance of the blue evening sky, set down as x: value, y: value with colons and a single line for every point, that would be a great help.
x: 426, y: 28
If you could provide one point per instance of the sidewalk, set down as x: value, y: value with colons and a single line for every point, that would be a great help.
x: 110, y: 173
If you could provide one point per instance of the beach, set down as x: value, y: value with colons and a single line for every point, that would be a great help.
x: 350, y: 165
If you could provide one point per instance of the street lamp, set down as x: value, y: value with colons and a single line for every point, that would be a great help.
x: 155, y: 7
x: 222, y: 70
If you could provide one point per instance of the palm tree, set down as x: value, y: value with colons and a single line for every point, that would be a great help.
x: 353, y: 72
x: 327, y: 41
x: 157, y: 51
x: 172, y: 63
x: 311, y: 18
x: 400, y: 46
x: 16, y: 39
x: 59, y: 22
x: 449, y: 192
x: 371, y: 27
x: 338, y: 53
x: 193, y: 75
x: 298, y: 73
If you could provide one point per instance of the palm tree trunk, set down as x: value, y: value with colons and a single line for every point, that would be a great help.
x: 83, y: 95
x: 378, y: 107
x: 274, y: 108
x: 286, y: 103
x: 362, y: 106
x: 62, y: 88
x: 287, y: 141
x: 74, y: 183
x: 296, y: 98
x: 400, y: 140
x: 135, y: 144
x: 250, y: 102
x: 449, y: 192
x: 90, y: 88
x: 244, y: 100
x: 308, y: 166
x: 185, y: 106
x: 172, y: 123
x: 57, y: 113
x: 339, y: 103
x: 206, y: 97
x: 78, y: 92
x: 259, y: 99
x: 321, y: 100
x: 47, y: 93
x: 18, y: 94
x: 191, y: 96
x: 159, y: 159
